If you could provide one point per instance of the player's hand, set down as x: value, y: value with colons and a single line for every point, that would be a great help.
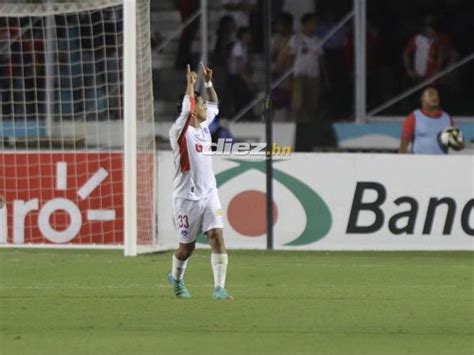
x: 191, y: 76
x: 206, y: 72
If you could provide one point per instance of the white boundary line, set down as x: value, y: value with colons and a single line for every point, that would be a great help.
x: 61, y: 246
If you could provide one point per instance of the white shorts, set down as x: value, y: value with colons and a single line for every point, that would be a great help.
x: 191, y: 217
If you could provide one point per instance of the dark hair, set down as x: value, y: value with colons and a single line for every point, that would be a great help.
x: 308, y: 17
x: 225, y: 40
x: 285, y: 18
x: 224, y: 24
x: 430, y: 20
x: 426, y: 88
x: 179, y: 103
x: 242, y: 31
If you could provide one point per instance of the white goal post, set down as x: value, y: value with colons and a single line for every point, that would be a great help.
x: 77, y: 135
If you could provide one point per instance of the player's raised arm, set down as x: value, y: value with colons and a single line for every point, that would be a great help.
x: 188, y: 103
x: 191, y: 78
x: 211, y: 94
x: 185, y: 108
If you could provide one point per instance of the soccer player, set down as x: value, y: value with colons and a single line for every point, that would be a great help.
x: 421, y: 128
x: 196, y: 204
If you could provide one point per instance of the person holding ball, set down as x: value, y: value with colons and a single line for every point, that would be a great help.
x: 429, y: 130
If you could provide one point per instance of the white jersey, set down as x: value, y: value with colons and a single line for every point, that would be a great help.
x: 194, y: 176
x: 307, y: 51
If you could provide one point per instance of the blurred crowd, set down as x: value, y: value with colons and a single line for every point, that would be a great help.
x: 417, y: 41
x: 414, y: 42
x: 75, y: 76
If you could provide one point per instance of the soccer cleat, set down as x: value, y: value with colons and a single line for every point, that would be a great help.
x: 179, y: 287
x: 220, y: 293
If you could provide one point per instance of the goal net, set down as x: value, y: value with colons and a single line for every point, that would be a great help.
x: 77, y: 140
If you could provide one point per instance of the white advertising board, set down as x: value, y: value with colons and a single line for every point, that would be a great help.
x: 341, y: 202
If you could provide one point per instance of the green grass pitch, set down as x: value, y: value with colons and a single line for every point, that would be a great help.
x: 99, y: 302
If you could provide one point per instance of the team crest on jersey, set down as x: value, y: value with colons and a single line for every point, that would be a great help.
x: 184, y: 233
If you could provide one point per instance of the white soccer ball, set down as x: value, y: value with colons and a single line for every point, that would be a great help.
x: 456, y: 139
x: 451, y: 137
x: 443, y: 138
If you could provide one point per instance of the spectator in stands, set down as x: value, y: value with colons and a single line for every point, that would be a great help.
x: 186, y: 9
x: 305, y: 51
x: 226, y: 36
x: 421, y: 128
x: 428, y: 52
x: 280, y: 61
x: 297, y: 8
x: 241, y: 84
x: 240, y: 10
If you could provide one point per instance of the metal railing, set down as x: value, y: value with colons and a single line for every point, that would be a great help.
x: 419, y: 86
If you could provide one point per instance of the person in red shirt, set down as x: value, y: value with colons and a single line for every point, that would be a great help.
x: 421, y: 127
x: 428, y: 52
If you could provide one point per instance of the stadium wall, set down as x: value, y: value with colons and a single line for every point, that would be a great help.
x: 341, y: 202
x: 381, y: 135
x: 322, y: 201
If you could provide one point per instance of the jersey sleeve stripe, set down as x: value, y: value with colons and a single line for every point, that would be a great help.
x: 188, y: 119
x: 183, y: 155
x: 183, y: 145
